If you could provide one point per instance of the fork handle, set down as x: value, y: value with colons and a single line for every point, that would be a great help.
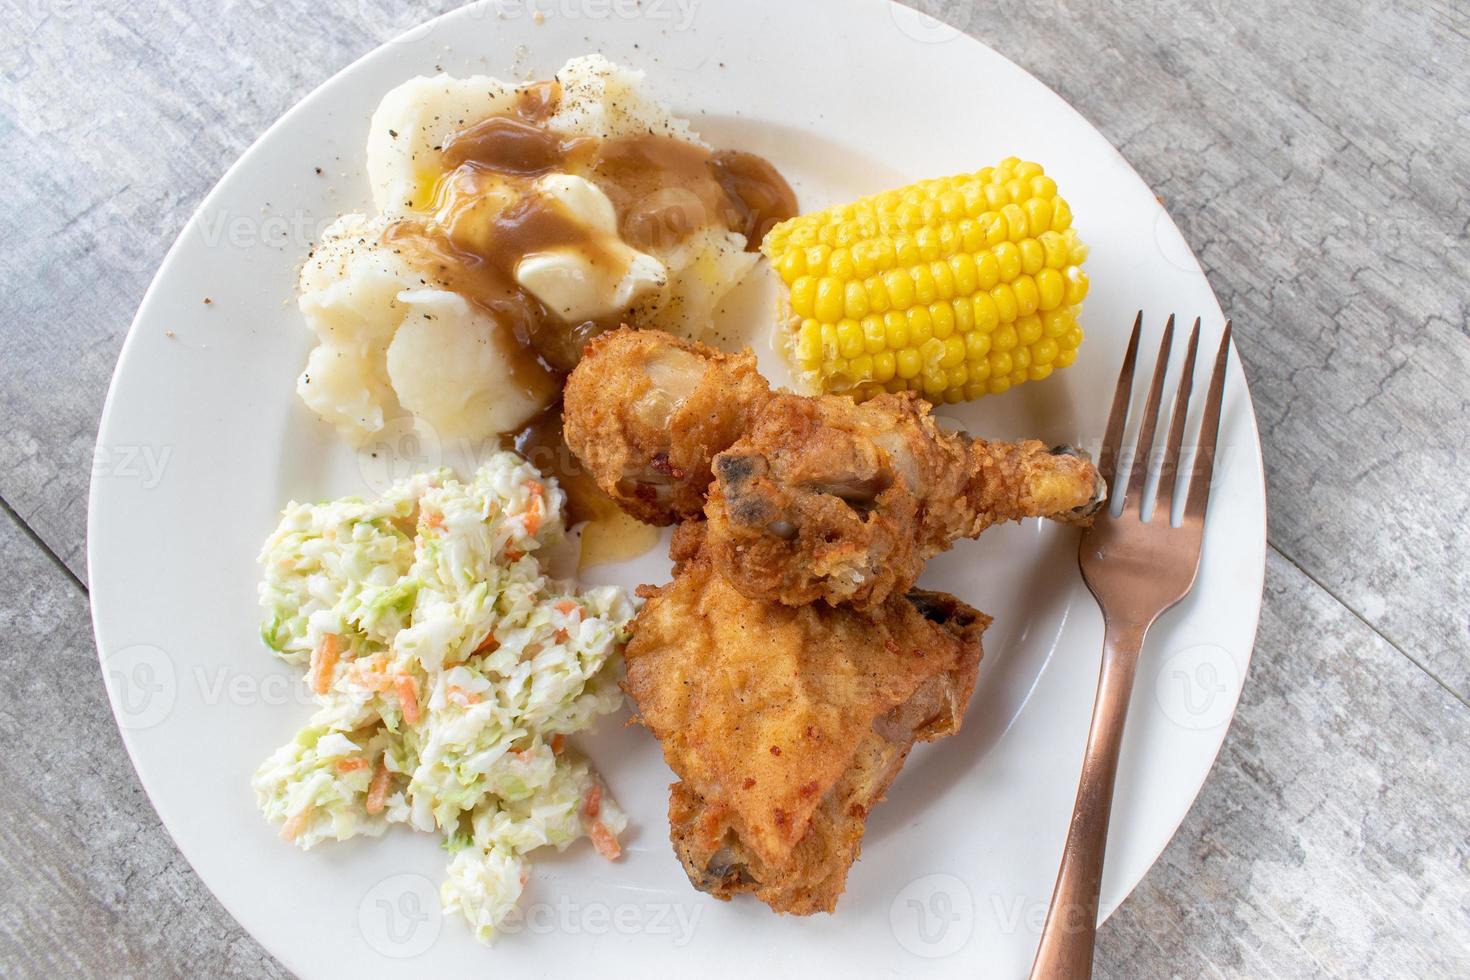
x: 1071, y: 922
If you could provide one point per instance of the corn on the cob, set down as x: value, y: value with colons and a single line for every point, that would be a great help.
x: 955, y: 288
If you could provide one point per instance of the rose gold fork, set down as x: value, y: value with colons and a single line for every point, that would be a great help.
x: 1136, y: 569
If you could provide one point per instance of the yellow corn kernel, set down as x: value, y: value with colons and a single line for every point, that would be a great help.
x: 1076, y: 285
x: 1005, y: 303
x: 987, y: 316
x: 977, y: 346
x: 908, y: 362
x: 828, y: 305
x: 921, y: 327
x: 877, y: 292
x: 809, y: 344
x: 954, y: 287
x: 954, y: 351
x: 804, y: 296
x: 1028, y: 299
x: 1008, y: 256
x: 1006, y: 338
x: 941, y: 315
x: 1051, y: 288
x: 791, y: 265
x: 896, y: 330
x: 900, y: 287
x: 1033, y: 256
x: 874, y: 336
x: 1028, y: 330
x: 885, y: 365
x: 849, y: 338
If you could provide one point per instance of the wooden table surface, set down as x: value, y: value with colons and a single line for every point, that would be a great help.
x: 1316, y: 155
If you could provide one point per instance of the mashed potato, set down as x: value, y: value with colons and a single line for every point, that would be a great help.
x: 395, y: 338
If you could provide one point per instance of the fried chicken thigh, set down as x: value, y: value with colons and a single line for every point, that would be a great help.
x: 786, y: 725
x: 812, y: 497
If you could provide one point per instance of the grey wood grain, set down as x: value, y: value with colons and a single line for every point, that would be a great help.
x: 92, y: 884
x: 1316, y: 156
x: 1330, y: 839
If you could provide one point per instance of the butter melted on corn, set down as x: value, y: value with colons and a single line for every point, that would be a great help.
x: 955, y: 287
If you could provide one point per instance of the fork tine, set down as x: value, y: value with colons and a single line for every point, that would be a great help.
x: 1204, y: 467
x: 1112, y: 445
x: 1169, y: 473
x: 1139, y: 464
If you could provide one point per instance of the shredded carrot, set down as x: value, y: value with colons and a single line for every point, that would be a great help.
x: 593, y: 806
x: 463, y: 696
x: 323, y: 662
x: 434, y: 519
x: 602, y: 838
x: 513, y: 555
x: 607, y: 845
x: 558, y: 743
x: 408, y: 698
x: 488, y: 645
x: 351, y: 765
x: 537, y: 511
x: 566, y: 607
x: 377, y: 796
x: 562, y: 636
x: 295, y: 824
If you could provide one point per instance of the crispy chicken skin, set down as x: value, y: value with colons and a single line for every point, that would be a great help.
x: 824, y: 498
x: 786, y: 725
x: 646, y: 412
x: 808, y: 497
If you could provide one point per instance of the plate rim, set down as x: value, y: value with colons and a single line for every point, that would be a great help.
x: 128, y: 352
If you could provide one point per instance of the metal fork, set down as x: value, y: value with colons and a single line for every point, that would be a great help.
x: 1136, y: 569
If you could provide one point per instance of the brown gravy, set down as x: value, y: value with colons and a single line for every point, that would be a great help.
x: 609, y: 534
x: 487, y: 217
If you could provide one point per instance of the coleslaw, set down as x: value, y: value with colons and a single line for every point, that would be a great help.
x: 448, y: 669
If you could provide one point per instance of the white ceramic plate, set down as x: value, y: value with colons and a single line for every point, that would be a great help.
x: 203, y: 441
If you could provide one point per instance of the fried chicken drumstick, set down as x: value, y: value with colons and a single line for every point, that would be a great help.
x: 786, y: 725
x: 808, y: 497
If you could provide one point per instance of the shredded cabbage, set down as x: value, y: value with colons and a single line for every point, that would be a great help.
x: 447, y: 669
